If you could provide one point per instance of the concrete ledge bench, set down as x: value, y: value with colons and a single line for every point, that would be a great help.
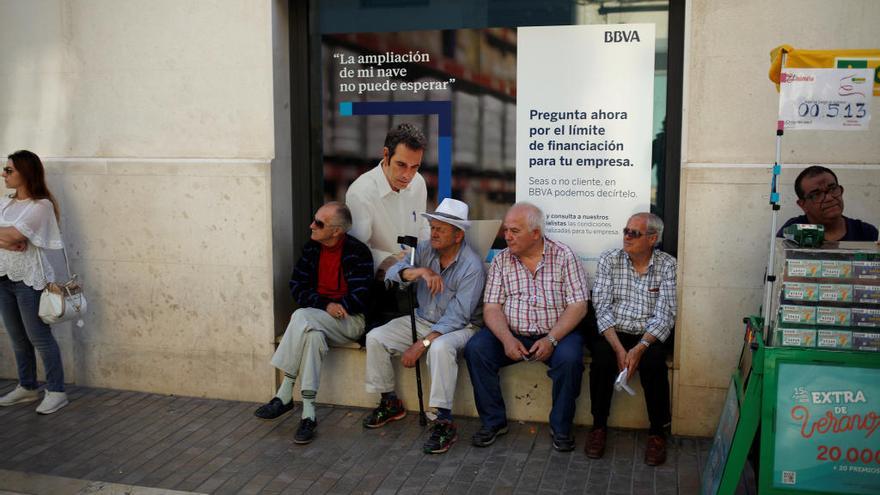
x: 526, y: 389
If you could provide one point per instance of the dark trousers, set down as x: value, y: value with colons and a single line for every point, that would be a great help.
x: 652, y: 372
x: 484, y: 354
x: 387, y: 303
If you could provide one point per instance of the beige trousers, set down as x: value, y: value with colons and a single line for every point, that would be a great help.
x: 395, y: 337
x: 305, y: 342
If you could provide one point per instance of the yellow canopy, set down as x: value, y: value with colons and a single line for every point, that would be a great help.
x: 825, y: 59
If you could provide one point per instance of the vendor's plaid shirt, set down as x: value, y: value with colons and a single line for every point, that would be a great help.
x: 631, y: 303
x: 532, y: 304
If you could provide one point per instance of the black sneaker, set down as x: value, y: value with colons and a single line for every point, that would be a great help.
x: 443, y: 435
x: 487, y: 434
x: 306, y: 431
x: 388, y: 410
x: 273, y: 409
x: 562, y: 443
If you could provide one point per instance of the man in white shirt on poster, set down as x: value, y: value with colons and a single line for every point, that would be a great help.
x: 388, y: 201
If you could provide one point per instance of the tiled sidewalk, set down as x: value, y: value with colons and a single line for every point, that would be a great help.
x: 217, y: 446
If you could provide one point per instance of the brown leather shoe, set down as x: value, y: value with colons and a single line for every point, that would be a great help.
x: 595, y: 447
x: 655, y: 451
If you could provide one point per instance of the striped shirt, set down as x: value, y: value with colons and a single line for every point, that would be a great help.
x: 633, y: 303
x: 533, y: 303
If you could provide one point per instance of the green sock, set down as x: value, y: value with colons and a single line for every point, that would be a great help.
x: 309, y: 404
x: 285, y: 391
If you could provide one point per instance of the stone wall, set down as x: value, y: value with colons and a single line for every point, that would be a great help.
x: 155, y: 122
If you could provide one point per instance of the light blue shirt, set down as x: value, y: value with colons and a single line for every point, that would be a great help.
x: 461, y: 302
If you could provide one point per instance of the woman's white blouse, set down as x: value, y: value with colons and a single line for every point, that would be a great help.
x: 35, y: 219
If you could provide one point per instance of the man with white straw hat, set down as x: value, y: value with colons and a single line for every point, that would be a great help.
x: 450, y: 278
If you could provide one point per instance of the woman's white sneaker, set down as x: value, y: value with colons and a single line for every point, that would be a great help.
x: 52, y: 402
x: 19, y: 395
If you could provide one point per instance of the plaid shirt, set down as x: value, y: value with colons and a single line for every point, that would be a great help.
x: 631, y: 303
x: 533, y: 304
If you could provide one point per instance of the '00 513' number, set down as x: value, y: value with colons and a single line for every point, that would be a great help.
x: 833, y: 110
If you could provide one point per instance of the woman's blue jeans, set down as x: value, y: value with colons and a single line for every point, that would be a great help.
x: 18, y: 308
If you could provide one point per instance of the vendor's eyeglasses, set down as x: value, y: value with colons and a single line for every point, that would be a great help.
x: 8, y: 170
x: 634, y: 234
x: 835, y: 190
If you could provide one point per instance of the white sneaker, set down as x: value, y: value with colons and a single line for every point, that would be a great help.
x: 52, y: 402
x: 19, y: 395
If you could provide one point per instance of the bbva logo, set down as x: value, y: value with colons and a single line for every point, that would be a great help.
x: 621, y: 36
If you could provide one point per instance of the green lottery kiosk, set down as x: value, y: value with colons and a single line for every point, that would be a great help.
x: 806, y: 392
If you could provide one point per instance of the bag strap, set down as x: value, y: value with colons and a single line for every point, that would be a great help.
x: 70, y: 276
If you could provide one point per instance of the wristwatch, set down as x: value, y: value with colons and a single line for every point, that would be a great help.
x: 426, y: 343
x: 645, y: 343
x: 552, y: 340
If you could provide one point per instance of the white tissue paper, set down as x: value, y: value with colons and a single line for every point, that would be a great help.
x: 620, y: 383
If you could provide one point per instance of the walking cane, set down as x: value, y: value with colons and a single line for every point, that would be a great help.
x: 408, y: 240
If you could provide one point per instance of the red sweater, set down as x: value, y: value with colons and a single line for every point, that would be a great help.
x: 331, y: 283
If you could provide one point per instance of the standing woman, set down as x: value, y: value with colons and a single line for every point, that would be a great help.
x: 29, y: 224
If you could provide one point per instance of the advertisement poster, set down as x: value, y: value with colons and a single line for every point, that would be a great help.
x: 485, y: 99
x: 584, y: 129
x: 457, y: 86
x: 826, y: 429
x: 825, y: 99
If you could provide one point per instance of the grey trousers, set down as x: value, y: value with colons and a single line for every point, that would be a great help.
x: 305, y: 342
x: 395, y: 337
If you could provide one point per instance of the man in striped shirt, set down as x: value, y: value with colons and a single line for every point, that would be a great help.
x: 536, y: 294
x: 634, y: 297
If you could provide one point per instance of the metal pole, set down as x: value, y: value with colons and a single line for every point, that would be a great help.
x: 769, y: 277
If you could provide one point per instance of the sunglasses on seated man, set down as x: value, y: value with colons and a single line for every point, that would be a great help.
x: 635, y: 234
x: 320, y: 224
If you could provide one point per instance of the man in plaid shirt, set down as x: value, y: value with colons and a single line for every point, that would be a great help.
x: 634, y: 297
x: 536, y: 294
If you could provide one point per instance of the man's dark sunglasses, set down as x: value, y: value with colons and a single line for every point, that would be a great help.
x: 634, y: 234
x: 8, y: 170
x: 320, y: 224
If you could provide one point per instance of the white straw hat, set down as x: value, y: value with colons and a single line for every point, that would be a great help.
x: 453, y: 212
